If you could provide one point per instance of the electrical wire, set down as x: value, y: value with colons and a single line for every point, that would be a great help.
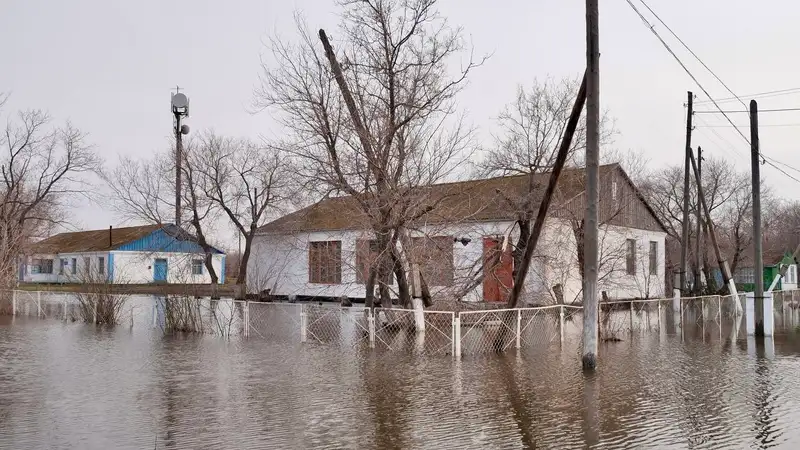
x: 693, y: 54
x: 688, y: 72
x: 768, y: 94
x: 759, y: 111
x: 761, y: 125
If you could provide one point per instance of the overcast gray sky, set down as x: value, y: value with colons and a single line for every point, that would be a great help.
x: 109, y: 66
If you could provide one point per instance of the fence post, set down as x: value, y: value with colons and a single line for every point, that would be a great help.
x: 65, y: 307
x: 94, y: 311
x: 371, y: 326
x: 303, y: 320
x: 659, y: 316
x: 631, y: 308
x: 13, y: 302
x: 561, y: 323
x: 519, y: 326
x: 39, y: 304
x: 453, y: 333
x: 457, y: 340
x: 247, y: 318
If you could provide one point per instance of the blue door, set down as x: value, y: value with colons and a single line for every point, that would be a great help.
x: 160, y: 271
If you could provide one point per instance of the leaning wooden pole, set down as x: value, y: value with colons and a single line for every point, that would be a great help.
x: 723, y: 264
x: 590, y: 227
x: 541, y: 214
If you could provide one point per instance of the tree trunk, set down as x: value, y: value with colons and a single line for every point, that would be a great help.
x: 384, y: 268
x: 208, y: 260
x: 241, y: 279
x: 207, y: 249
x: 369, y: 295
x: 402, y: 280
x: 519, y: 249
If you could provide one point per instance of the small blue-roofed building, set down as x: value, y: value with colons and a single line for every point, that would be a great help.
x: 141, y: 254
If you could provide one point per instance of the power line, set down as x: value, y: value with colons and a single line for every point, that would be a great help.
x: 693, y: 54
x: 759, y: 125
x: 767, y: 94
x: 688, y: 72
x: 738, y: 111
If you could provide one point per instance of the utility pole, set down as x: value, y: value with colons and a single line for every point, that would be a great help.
x: 685, y: 224
x: 712, y: 234
x: 180, y: 109
x: 755, y: 162
x: 698, y: 236
x: 590, y: 231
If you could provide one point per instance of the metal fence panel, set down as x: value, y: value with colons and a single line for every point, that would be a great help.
x: 342, y: 326
x: 275, y: 322
x: 420, y: 332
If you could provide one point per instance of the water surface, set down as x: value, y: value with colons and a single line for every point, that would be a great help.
x: 70, y: 385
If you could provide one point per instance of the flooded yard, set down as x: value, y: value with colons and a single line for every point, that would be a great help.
x: 72, y: 385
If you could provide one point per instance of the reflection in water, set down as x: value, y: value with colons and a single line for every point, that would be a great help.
x: 76, y: 386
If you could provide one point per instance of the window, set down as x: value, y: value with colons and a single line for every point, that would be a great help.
x: 653, y: 258
x: 791, y: 276
x: 44, y: 266
x: 101, y: 265
x: 62, y: 264
x: 630, y: 257
x: 614, y: 191
x: 367, y: 253
x: 197, y: 266
x: 74, y: 266
x: 744, y: 275
x: 435, y: 258
x: 325, y: 262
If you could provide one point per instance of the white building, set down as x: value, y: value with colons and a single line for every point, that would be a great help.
x: 142, y: 254
x: 324, y: 250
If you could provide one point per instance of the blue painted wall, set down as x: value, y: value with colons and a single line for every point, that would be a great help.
x: 110, y: 259
x: 222, y: 272
x: 161, y: 241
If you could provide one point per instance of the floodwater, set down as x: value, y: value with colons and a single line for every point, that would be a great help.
x: 71, y: 385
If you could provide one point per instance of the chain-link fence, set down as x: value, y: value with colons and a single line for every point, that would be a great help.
x: 346, y: 327
x: 275, y: 322
x: 224, y: 317
x: 419, y: 332
x: 423, y: 332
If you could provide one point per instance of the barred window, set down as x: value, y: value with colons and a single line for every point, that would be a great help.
x: 325, y: 262
x: 197, y: 267
x: 653, y: 258
x: 630, y: 257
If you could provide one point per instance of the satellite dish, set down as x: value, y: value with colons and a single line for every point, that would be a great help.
x: 184, y: 129
x: 179, y: 100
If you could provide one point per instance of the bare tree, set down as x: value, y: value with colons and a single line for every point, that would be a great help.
x: 532, y: 129
x: 246, y: 181
x: 42, y: 168
x: 728, y: 197
x: 377, y: 119
x: 142, y: 190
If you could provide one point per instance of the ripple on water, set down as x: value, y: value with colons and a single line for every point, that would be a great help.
x: 73, y: 386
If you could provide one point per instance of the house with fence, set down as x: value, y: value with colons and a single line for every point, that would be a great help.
x: 774, y: 262
x: 138, y: 254
x: 463, y: 242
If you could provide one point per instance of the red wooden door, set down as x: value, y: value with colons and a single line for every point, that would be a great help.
x: 499, y: 273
